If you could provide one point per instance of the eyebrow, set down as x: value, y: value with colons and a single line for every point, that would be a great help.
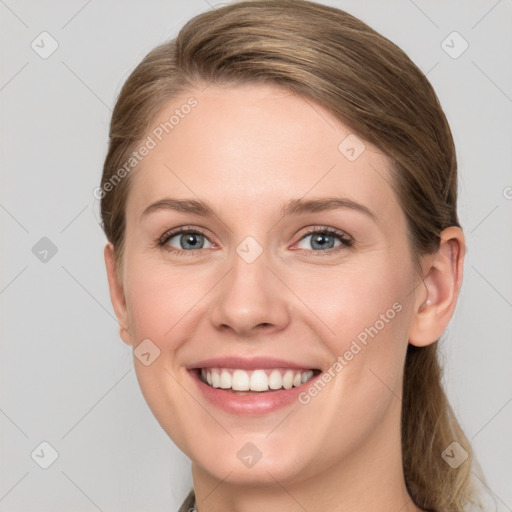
x: 293, y: 207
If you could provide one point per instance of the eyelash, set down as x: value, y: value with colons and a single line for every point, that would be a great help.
x: 345, y: 240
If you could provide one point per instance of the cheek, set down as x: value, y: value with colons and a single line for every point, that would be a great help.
x: 163, y: 305
x: 363, y: 314
x: 368, y: 313
x: 160, y: 299
x: 363, y: 299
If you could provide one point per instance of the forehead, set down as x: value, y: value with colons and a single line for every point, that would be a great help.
x: 258, y: 146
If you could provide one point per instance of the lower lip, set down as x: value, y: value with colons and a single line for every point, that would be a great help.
x: 252, y: 404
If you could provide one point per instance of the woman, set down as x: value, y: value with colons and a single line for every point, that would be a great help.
x: 280, y: 201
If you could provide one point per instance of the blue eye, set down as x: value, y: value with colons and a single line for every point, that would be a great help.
x: 324, y: 239
x: 186, y: 241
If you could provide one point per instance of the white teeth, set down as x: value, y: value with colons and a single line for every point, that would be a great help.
x: 288, y: 379
x: 225, y: 380
x: 255, y: 380
x: 240, y: 380
x: 259, y: 381
x: 215, y: 379
x: 306, y: 376
x: 275, y: 380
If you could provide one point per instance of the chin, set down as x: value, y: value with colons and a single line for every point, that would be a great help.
x: 257, y: 462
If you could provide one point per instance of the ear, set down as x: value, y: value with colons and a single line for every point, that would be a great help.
x: 442, y: 281
x: 117, y: 293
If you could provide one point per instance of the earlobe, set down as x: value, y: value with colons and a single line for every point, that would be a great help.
x: 442, y: 282
x: 117, y: 293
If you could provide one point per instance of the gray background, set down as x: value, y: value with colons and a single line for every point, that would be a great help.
x: 68, y: 379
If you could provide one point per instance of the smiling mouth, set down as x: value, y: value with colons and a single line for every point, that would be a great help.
x: 255, y: 381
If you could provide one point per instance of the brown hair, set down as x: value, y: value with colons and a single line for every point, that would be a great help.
x: 369, y: 84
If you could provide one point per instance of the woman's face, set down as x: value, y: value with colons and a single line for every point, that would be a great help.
x: 238, y: 258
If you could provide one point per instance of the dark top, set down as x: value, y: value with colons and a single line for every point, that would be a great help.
x: 189, y: 505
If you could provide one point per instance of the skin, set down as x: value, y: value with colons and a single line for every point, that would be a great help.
x: 247, y: 150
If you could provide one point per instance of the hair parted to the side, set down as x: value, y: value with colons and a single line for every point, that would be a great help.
x: 367, y: 82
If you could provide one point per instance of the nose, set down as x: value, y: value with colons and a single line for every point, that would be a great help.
x: 250, y: 300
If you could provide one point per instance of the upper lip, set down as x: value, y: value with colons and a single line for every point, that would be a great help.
x: 250, y: 363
